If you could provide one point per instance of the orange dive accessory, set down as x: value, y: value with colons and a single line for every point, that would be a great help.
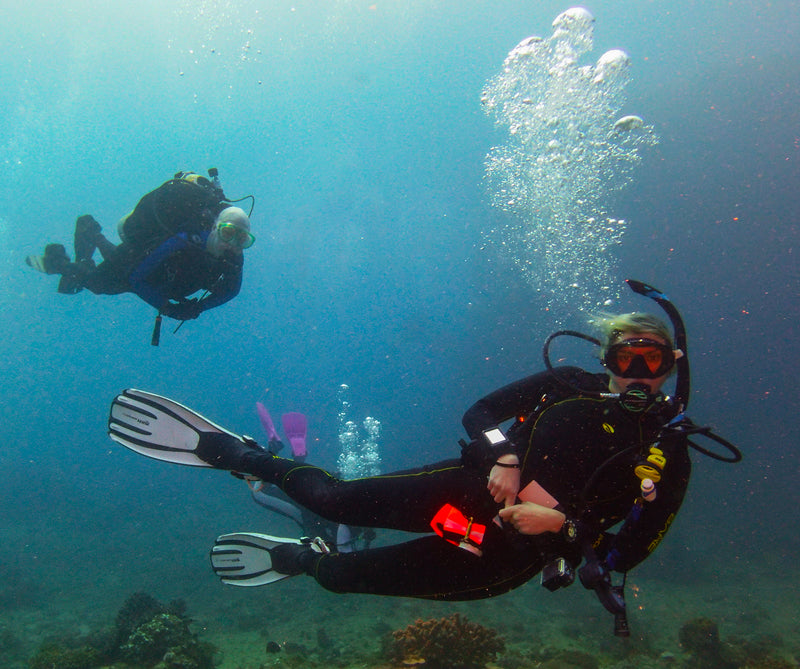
x: 455, y: 528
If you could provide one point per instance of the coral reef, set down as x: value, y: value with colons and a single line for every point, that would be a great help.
x: 141, y: 607
x: 700, y: 638
x: 58, y: 655
x: 166, y: 641
x: 446, y: 643
x: 146, y: 635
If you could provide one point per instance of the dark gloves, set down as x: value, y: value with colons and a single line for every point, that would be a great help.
x: 595, y: 576
x: 185, y: 310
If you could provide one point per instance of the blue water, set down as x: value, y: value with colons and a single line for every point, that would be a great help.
x: 358, y: 128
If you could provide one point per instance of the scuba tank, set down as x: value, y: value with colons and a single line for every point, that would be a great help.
x: 186, y: 203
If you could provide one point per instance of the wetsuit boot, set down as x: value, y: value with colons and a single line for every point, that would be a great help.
x: 54, y: 260
x: 87, y: 231
x: 293, y: 559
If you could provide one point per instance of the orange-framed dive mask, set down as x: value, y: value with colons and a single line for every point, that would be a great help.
x: 639, y: 359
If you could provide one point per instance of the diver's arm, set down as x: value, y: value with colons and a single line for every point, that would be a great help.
x: 502, y: 405
x: 640, y: 535
x: 148, y: 291
x: 509, y: 402
x: 517, y: 400
x: 500, y: 459
x: 504, y: 479
x: 531, y: 518
x: 229, y: 286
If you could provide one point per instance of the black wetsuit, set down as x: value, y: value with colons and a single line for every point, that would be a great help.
x: 563, y: 444
x: 163, y: 257
x: 168, y: 274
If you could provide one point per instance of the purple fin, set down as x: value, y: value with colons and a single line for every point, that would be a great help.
x: 266, y: 422
x: 294, y: 427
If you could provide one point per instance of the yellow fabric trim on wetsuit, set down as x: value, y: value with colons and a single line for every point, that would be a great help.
x: 365, y: 478
x: 544, y: 411
x: 535, y: 568
x: 450, y: 594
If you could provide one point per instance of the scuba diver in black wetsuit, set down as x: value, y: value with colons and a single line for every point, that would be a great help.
x: 585, y: 452
x: 182, y: 238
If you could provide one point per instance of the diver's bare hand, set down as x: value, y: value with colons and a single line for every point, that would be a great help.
x: 504, y: 481
x: 530, y: 518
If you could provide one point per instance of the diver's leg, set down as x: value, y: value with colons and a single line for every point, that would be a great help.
x: 88, y: 237
x: 405, y: 500
x: 54, y: 260
x: 107, y: 249
x: 428, y: 567
x: 110, y: 277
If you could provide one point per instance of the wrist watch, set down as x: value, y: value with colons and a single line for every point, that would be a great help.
x: 570, y: 530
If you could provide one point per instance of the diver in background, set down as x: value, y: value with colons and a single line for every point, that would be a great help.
x: 272, y: 498
x: 182, y: 238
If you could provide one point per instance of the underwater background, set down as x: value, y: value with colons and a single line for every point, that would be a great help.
x: 381, y: 263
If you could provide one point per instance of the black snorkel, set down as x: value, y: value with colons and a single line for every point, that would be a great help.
x: 681, y: 424
x: 683, y: 380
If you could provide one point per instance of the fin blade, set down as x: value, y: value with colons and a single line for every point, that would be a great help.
x: 243, y: 558
x: 158, y: 427
x: 295, y: 427
x: 37, y: 262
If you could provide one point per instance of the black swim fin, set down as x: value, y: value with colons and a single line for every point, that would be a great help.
x: 54, y: 260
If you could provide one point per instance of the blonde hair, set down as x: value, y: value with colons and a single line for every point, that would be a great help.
x: 612, y: 327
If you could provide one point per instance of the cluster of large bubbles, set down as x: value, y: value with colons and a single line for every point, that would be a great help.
x: 359, y: 455
x: 567, y: 150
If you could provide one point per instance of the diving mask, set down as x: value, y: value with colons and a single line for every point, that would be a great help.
x: 234, y: 235
x: 639, y: 359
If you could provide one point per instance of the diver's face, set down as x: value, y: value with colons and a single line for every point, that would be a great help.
x: 219, y: 245
x: 619, y: 384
